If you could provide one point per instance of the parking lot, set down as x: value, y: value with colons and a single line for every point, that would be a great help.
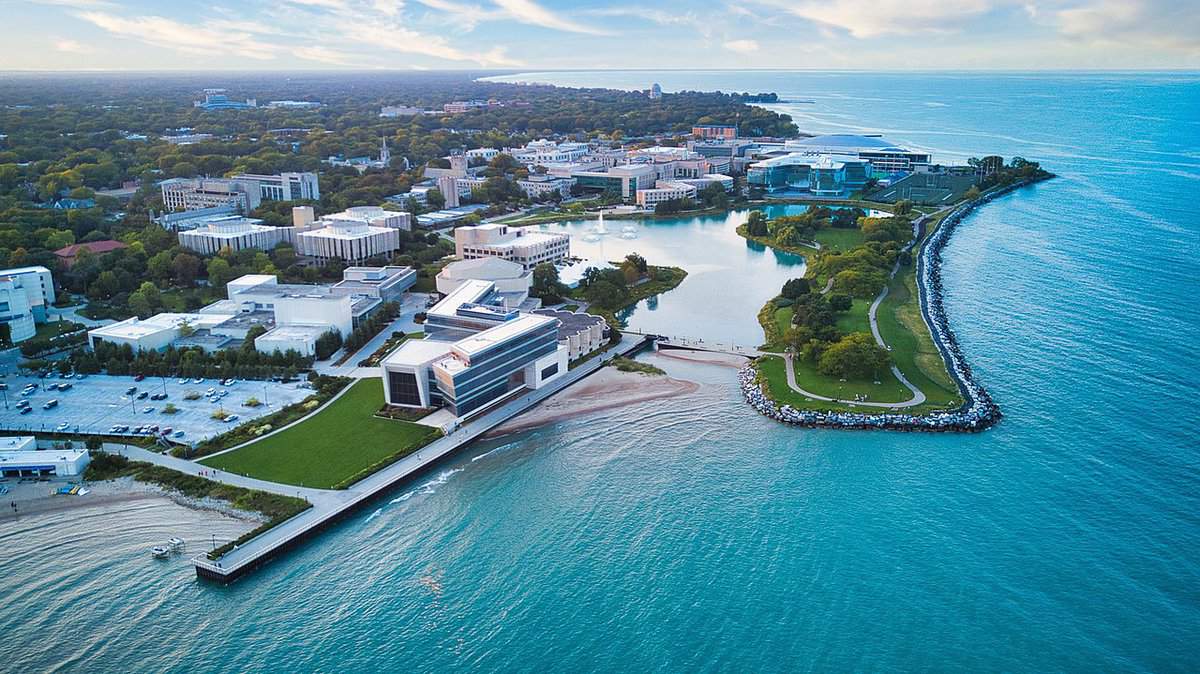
x: 96, y: 404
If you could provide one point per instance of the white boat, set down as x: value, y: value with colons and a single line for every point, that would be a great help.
x: 175, y: 544
x: 159, y: 552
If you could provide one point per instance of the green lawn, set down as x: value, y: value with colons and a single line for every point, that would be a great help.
x: 839, y: 239
x: 913, y: 351
x: 855, y: 320
x: 339, y: 445
x: 55, y: 328
x: 889, y: 390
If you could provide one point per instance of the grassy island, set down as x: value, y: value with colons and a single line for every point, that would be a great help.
x: 608, y: 291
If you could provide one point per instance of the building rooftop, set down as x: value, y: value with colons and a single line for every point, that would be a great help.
x: 294, y: 332
x: 135, y: 328
x: 570, y: 322
x: 484, y: 267
x: 481, y: 341
x: 849, y: 141
x: 470, y: 292
x: 96, y: 247
x: 417, y: 352
x: 16, y: 443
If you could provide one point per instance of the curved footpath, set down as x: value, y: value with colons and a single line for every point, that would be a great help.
x: 978, y: 411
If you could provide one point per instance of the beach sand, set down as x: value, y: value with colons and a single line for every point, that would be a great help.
x: 33, y: 498
x: 707, y: 357
x: 606, y: 389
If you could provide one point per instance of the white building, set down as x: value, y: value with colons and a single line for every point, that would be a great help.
x: 399, y: 111
x: 476, y: 354
x: 155, y: 333
x: 354, y: 235
x: 579, y: 332
x: 548, y: 152
x: 485, y: 153
x: 538, y: 186
x: 511, y: 280
x: 25, y: 293
x: 665, y: 190
x: 525, y: 246
x: 234, y: 232
x: 283, y: 187
x: 707, y: 179
x: 189, y: 194
x: 20, y: 457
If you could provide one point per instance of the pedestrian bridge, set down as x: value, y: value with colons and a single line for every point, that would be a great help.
x: 697, y: 344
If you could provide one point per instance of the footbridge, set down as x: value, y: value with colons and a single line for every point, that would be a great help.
x: 664, y: 342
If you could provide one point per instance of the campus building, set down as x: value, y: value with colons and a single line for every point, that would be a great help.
x: 524, y: 246
x: 293, y: 316
x: 884, y: 156
x: 538, y: 186
x: 624, y: 180
x: 283, y: 187
x: 819, y: 175
x: 234, y: 232
x: 511, y: 280
x: 715, y: 131
x: 215, y: 99
x: 354, y: 235
x: 476, y: 353
x: 578, y: 332
x: 20, y: 457
x: 25, y: 295
x: 189, y: 194
x: 665, y: 190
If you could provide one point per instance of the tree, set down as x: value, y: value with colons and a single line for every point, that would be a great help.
x: 546, y: 284
x: 219, y: 272
x: 840, y: 301
x: 184, y: 268
x: 796, y: 287
x: 855, y: 356
x: 756, y: 225
x: 972, y: 193
x: 903, y: 207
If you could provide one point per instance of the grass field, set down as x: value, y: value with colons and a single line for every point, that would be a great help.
x: 337, y: 446
x: 888, y: 390
x: 839, y: 239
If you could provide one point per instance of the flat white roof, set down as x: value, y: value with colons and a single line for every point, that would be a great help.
x: 16, y: 443
x: 416, y: 352
x: 480, y: 341
x: 134, y: 328
x: 469, y: 292
x: 40, y: 457
x: 293, y: 331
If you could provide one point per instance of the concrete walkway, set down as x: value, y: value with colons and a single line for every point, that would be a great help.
x: 190, y: 468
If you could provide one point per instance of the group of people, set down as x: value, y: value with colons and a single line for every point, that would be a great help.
x: 978, y: 412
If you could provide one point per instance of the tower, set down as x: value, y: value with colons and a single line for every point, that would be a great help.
x: 385, y: 157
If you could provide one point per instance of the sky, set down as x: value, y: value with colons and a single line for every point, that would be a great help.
x: 269, y: 35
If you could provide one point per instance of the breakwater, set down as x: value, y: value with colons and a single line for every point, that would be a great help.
x: 978, y: 411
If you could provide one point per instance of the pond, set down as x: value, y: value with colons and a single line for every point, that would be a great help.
x: 729, y: 278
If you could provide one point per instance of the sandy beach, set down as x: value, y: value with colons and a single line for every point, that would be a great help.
x: 38, y: 497
x: 607, y: 389
x: 706, y: 357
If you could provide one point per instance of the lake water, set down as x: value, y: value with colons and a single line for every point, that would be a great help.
x: 691, y: 534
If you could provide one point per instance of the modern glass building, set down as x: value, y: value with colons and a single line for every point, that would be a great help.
x: 476, y: 352
x: 821, y: 175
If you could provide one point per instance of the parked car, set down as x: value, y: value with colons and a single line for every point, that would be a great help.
x: 50, y: 404
x: 231, y: 418
x: 66, y: 386
x: 178, y: 434
x: 61, y: 427
x: 139, y: 377
x: 25, y: 410
x: 147, y: 410
x: 131, y: 390
x: 143, y: 395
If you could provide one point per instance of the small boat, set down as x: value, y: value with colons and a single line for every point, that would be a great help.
x: 159, y: 552
x: 175, y: 544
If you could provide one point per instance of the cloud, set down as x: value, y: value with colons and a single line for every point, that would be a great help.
x: 72, y: 47
x: 181, y: 37
x: 529, y: 12
x: 325, y: 55
x: 1160, y: 23
x: 872, y: 18
x: 659, y: 17
x: 741, y: 46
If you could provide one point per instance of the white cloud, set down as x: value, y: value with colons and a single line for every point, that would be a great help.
x: 741, y: 46
x: 1168, y: 24
x: 872, y: 18
x: 72, y: 47
x: 325, y: 55
x: 529, y: 12
x: 182, y: 37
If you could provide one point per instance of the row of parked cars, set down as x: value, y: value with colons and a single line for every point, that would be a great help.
x: 147, y: 429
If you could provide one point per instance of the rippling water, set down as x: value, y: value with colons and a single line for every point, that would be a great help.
x: 690, y: 534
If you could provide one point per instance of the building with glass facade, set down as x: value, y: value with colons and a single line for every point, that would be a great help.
x: 476, y: 352
x: 820, y: 175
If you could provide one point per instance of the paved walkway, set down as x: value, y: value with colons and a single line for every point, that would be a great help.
x: 135, y: 453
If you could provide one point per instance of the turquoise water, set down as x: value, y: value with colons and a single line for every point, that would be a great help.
x: 689, y: 534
